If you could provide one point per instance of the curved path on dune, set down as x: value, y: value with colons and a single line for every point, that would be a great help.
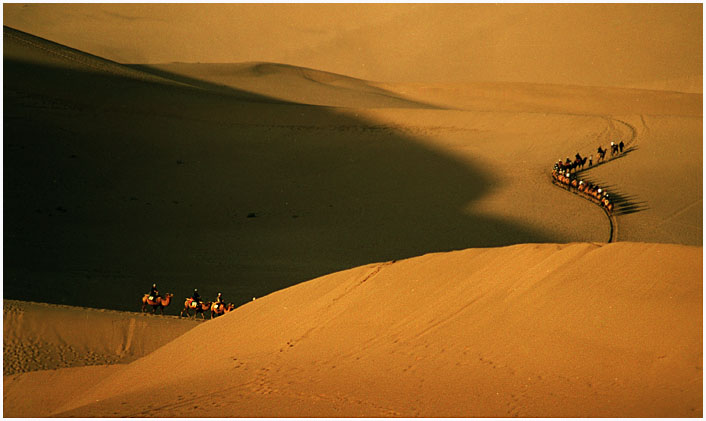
x: 629, y: 144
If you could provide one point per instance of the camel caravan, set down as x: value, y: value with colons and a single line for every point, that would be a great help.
x: 200, y: 307
x: 218, y: 307
x: 565, y: 173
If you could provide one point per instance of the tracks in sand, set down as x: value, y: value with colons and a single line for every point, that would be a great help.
x: 620, y: 203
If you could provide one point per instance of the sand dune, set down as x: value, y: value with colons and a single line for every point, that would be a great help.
x: 70, y: 339
x: 528, y: 330
x: 201, y: 184
x: 652, y: 46
x: 297, y: 84
x: 65, y: 350
x: 282, y: 166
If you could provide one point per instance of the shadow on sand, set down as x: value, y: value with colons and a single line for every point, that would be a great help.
x: 624, y: 203
x: 112, y: 184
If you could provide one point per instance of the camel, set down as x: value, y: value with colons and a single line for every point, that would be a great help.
x: 199, y: 308
x: 601, y: 154
x: 158, y: 302
x: 219, y: 309
x: 614, y: 149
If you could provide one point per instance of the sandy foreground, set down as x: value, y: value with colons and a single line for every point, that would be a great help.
x: 494, y: 294
x: 66, y: 350
x: 575, y: 330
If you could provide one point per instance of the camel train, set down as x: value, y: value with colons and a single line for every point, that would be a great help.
x: 201, y: 307
x: 587, y: 190
x: 157, y: 302
x: 564, y: 173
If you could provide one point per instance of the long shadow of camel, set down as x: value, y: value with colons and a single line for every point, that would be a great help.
x: 624, y: 203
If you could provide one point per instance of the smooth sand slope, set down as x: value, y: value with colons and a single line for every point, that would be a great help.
x: 53, y: 353
x: 576, y: 330
x: 38, y: 336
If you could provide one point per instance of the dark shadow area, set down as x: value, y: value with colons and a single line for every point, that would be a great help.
x: 628, y: 207
x: 112, y: 183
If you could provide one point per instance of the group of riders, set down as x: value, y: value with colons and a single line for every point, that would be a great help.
x: 564, y: 172
x: 194, y: 302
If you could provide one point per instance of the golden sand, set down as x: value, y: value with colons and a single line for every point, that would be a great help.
x: 378, y: 177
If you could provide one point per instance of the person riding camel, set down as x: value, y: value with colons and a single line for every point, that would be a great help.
x: 153, y: 293
x: 196, y: 297
x: 219, y: 300
x: 601, y: 153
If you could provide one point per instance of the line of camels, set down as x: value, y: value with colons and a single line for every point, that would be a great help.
x: 159, y: 303
x: 566, y: 174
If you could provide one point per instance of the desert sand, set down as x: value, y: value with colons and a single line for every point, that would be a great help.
x: 67, y: 349
x: 512, y: 331
x: 383, y: 189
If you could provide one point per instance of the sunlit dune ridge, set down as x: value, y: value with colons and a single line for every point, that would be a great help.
x: 528, y: 330
x: 649, y: 46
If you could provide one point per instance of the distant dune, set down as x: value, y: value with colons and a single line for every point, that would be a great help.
x: 297, y: 84
x: 650, y: 46
x: 382, y: 188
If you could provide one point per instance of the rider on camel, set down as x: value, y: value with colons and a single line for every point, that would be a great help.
x: 601, y: 153
x: 219, y: 300
x: 196, y: 297
x: 153, y: 293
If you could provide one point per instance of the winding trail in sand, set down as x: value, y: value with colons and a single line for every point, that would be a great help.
x: 612, y: 218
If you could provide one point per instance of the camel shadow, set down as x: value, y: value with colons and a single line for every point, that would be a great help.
x: 620, y: 155
x: 624, y: 203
